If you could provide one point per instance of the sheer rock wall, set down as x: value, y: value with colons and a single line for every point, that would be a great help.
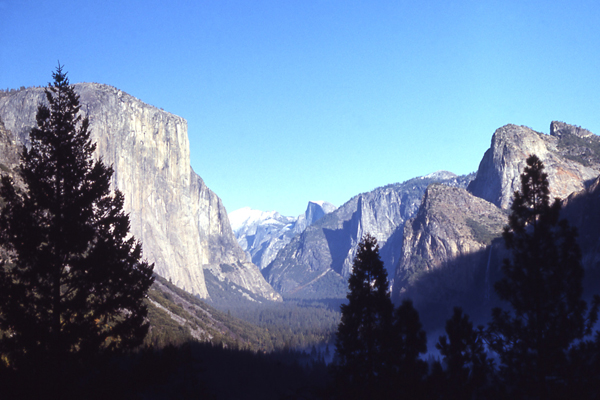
x: 182, y: 224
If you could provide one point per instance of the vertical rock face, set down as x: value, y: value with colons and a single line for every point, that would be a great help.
x: 448, y: 257
x: 318, y: 262
x: 582, y: 210
x: 571, y: 157
x: 451, y: 231
x: 222, y: 255
x: 314, y: 212
x: 179, y: 221
x: 9, y: 152
x: 261, y: 234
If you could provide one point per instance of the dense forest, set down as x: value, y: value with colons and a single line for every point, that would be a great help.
x: 266, y: 327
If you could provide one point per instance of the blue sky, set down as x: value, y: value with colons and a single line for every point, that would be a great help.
x: 291, y: 101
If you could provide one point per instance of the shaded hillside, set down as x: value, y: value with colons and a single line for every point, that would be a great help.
x: 316, y: 263
x: 447, y: 258
x: 582, y: 209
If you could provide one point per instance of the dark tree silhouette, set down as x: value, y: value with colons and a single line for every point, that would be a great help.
x: 360, y: 347
x: 405, y: 342
x: 71, y: 279
x: 467, y: 366
x: 543, y: 285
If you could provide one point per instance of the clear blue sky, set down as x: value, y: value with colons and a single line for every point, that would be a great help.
x: 290, y: 101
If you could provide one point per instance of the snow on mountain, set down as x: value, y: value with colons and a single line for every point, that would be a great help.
x: 263, y: 233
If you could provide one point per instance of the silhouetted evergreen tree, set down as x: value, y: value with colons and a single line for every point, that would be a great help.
x: 71, y: 277
x: 543, y: 284
x: 360, y: 338
x: 467, y: 368
x: 405, y: 341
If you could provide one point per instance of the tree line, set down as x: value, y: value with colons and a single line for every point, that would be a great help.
x: 539, y: 347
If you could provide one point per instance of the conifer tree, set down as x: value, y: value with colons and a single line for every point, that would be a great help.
x: 543, y: 285
x: 406, y: 341
x: 467, y: 365
x: 71, y: 277
x: 360, y: 342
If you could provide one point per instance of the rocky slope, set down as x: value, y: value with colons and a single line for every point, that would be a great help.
x: 261, y: 234
x: 570, y: 154
x: 582, y: 209
x: 446, y: 247
x: 452, y: 251
x: 318, y: 262
x: 182, y: 224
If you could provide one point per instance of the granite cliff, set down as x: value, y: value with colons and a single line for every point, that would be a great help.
x: 452, y: 251
x: 571, y: 157
x: 182, y: 224
x: 446, y: 248
x: 582, y: 210
x: 263, y: 233
x: 318, y: 262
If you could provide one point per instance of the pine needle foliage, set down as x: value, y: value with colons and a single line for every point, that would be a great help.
x: 543, y: 285
x: 360, y: 342
x: 72, y: 279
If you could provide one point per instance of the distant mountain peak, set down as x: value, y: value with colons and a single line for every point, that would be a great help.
x: 263, y: 233
x: 440, y: 175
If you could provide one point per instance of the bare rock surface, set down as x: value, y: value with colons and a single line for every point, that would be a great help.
x: 182, y: 224
x: 452, y: 230
x: 571, y: 156
x: 317, y: 263
x: 262, y: 234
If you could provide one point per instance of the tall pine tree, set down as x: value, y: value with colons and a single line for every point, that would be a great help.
x: 406, y: 341
x: 71, y: 280
x: 543, y: 285
x: 361, y: 341
x: 467, y: 366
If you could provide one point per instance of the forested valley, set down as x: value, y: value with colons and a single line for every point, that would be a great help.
x: 84, y: 315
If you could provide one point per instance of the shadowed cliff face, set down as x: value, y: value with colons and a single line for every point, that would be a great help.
x: 452, y: 226
x: 452, y: 250
x: 318, y: 262
x: 582, y: 210
x: 182, y: 224
x: 571, y: 157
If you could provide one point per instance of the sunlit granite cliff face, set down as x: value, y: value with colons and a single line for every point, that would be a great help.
x: 452, y: 250
x: 445, y: 244
x: 318, y: 262
x: 182, y: 224
x: 570, y: 155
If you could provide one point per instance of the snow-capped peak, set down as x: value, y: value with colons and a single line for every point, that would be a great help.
x: 247, y: 216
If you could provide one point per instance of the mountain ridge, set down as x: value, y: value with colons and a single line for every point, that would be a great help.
x: 261, y: 234
x: 317, y: 262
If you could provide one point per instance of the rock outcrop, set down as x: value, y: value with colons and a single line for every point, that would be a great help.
x: 571, y: 157
x: 451, y: 232
x: 182, y: 224
x: 582, y: 210
x: 9, y: 152
x: 263, y: 233
x: 452, y: 251
x: 318, y: 262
